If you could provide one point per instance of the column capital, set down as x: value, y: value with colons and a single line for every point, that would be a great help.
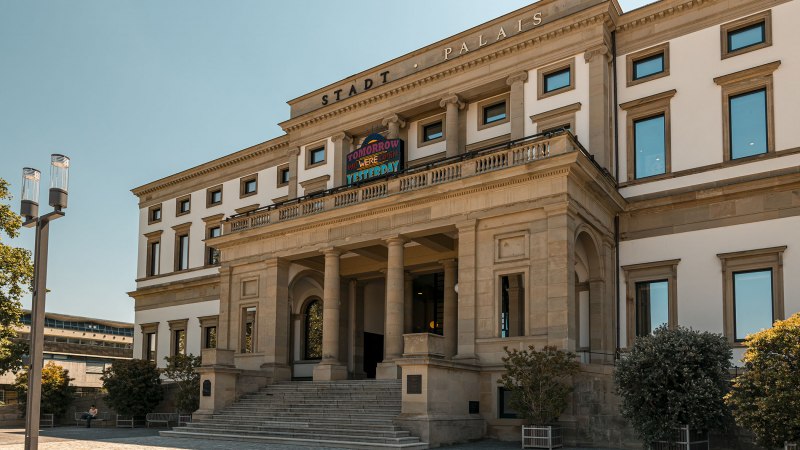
x: 293, y: 151
x: 447, y: 263
x: 455, y: 99
x: 519, y: 77
x: 599, y: 49
x: 395, y: 240
x: 341, y: 137
x: 393, y: 118
x: 331, y: 251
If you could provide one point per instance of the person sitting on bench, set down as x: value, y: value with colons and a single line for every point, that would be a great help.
x: 88, y: 416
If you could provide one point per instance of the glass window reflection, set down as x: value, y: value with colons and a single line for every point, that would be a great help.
x: 752, y: 302
x: 649, y: 147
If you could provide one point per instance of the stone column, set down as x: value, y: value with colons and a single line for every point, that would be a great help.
x: 393, y: 326
x: 467, y: 265
x: 516, y: 104
x: 293, y: 154
x: 330, y: 368
x: 408, y: 304
x: 450, y: 308
x: 600, y: 125
x: 394, y: 123
x: 341, y: 147
x: 273, y: 314
x: 352, y: 286
x: 224, y: 326
x: 453, y: 103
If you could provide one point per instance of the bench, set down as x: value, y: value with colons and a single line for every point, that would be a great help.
x: 164, y: 418
x: 99, y: 418
x: 124, y: 421
x: 46, y: 420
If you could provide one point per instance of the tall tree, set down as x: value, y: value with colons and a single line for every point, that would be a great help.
x: 57, y: 393
x: 16, y: 274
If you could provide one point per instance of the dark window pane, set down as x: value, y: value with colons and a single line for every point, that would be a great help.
x: 155, y: 258
x: 505, y: 410
x: 183, y: 252
x: 216, y: 197
x: 180, y: 343
x: 317, y: 155
x: 211, y: 337
x: 745, y: 37
x: 556, y: 80
x: 748, y: 122
x: 649, y: 146
x: 432, y: 131
x: 214, y: 232
x: 284, y: 176
x: 652, y: 306
x: 250, y: 186
x: 156, y: 214
x: 648, y: 66
x: 185, y: 205
x: 494, y: 113
x: 752, y: 302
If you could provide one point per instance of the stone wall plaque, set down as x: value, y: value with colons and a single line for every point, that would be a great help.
x: 206, y: 388
x: 414, y: 384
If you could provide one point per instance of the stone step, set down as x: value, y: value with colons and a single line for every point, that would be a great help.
x: 310, y: 409
x: 308, y: 428
x: 306, y: 442
x: 348, y: 435
x: 318, y: 420
x: 360, y: 425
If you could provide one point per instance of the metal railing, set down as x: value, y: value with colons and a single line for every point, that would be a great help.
x: 478, y: 162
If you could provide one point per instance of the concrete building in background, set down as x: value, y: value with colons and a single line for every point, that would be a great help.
x: 562, y: 175
x: 83, y: 345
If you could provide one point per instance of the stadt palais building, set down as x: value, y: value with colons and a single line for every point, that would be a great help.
x: 83, y: 345
x: 565, y: 174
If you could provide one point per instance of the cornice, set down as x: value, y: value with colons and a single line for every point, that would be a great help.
x: 640, y: 17
x: 310, y: 119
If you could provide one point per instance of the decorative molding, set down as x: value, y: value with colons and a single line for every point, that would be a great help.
x: 452, y: 99
x: 600, y: 49
x: 518, y: 77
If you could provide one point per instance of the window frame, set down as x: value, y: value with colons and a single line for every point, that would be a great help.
x: 243, y: 312
x: 207, y: 322
x: 640, y: 109
x: 150, y: 211
x: 182, y: 230
x: 544, y: 72
x: 633, y: 58
x: 488, y: 103
x: 178, y: 202
x: 522, y: 324
x: 555, y: 118
x: 731, y: 27
x: 750, y: 261
x: 176, y: 326
x: 210, y: 196
x: 280, y: 170
x: 243, y: 185
x: 501, y: 414
x: 430, y: 120
x: 311, y: 148
x: 650, y: 272
x: 305, y: 310
x: 147, y: 329
x: 153, y: 238
x: 743, y: 82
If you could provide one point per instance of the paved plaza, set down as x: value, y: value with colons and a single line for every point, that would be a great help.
x: 98, y: 438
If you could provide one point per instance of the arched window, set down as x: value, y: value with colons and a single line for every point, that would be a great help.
x: 313, y: 330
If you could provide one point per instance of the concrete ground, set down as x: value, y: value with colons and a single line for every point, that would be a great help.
x: 110, y: 438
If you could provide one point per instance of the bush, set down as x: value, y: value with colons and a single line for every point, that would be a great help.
x: 673, y: 378
x: 181, y: 370
x: 57, y: 394
x: 134, y: 387
x: 765, y: 398
x: 538, y: 382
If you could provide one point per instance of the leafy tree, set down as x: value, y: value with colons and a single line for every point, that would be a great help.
x: 57, y: 394
x: 133, y: 386
x: 181, y: 369
x: 765, y: 398
x: 16, y: 274
x: 538, y: 381
x: 674, y: 378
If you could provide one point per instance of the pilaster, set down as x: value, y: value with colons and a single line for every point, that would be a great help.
x: 453, y: 104
x: 516, y: 104
x: 341, y: 147
x: 293, y: 154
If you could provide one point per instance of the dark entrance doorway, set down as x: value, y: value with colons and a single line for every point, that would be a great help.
x: 373, y: 353
x: 428, y: 304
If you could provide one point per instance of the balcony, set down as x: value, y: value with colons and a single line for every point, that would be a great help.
x: 475, y: 163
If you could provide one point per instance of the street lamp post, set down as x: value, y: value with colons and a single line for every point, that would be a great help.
x: 29, y: 210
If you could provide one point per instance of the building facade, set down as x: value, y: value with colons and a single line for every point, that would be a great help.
x: 563, y: 175
x: 83, y: 345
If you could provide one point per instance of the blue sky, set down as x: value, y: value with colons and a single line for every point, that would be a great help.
x: 134, y: 91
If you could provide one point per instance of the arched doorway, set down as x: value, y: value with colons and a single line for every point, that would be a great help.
x: 589, y: 296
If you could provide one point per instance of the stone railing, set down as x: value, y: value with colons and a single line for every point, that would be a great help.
x: 471, y: 164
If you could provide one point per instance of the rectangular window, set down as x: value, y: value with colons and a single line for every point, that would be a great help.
x: 745, y: 37
x: 210, y: 337
x: 212, y: 254
x: 649, y: 146
x: 557, y: 80
x: 747, y: 34
x: 504, y: 409
x: 646, y: 67
x: 154, y: 259
x: 494, y: 113
x: 432, y: 131
x: 183, y: 205
x: 512, y: 305
x: 179, y: 342
x: 652, y: 306
x: 150, y: 346
x: 248, y: 186
x: 752, y: 302
x: 182, y: 262
x: 316, y: 156
x: 283, y: 176
x: 748, y: 123
x: 154, y: 214
x: 648, y: 64
x: 248, y: 329
x: 214, y: 196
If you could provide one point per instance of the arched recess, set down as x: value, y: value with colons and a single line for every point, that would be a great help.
x: 311, y: 339
x: 305, y: 289
x: 589, y: 293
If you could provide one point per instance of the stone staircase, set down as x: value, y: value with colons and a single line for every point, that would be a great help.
x: 338, y: 414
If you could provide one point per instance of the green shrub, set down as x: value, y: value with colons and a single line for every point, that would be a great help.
x: 181, y: 369
x: 133, y: 386
x: 539, y: 382
x: 57, y: 394
x: 673, y: 378
x: 766, y: 397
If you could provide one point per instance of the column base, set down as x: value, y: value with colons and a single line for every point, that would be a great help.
x: 388, y: 370
x: 330, y: 372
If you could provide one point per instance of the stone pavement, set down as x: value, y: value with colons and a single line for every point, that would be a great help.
x: 100, y: 438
